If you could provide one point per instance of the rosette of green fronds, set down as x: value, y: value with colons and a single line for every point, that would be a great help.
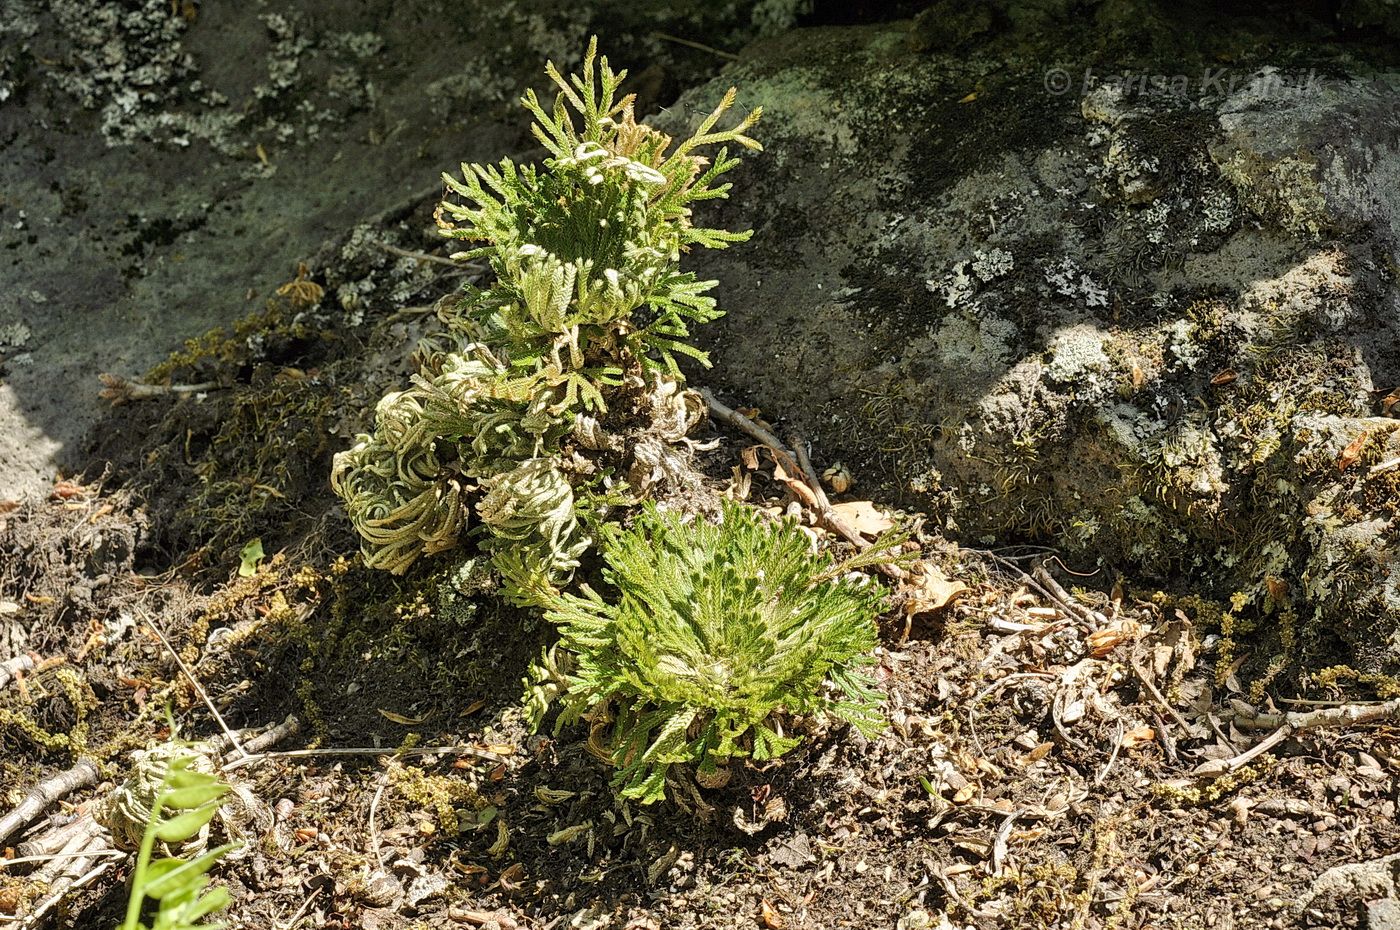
x: 586, y: 248
x: 710, y: 635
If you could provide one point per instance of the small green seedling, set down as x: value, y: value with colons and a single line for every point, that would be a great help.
x: 184, y: 805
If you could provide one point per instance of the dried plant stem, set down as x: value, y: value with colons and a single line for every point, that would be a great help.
x: 742, y: 423
x: 1342, y: 715
x: 13, y: 668
x: 1161, y: 700
x: 434, y: 259
x: 71, y: 880
x: 1294, y: 722
x: 272, y: 735
x: 45, y: 793
x: 121, y: 390
x: 199, y: 688
x: 698, y: 46
x: 1026, y: 578
x: 374, y: 822
x: 255, y: 740
x: 470, y: 751
x: 797, y: 463
x: 73, y: 853
x: 49, y: 843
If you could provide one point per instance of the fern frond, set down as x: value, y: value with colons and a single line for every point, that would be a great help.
x: 713, y: 632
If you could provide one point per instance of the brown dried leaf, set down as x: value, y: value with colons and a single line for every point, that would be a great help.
x: 771, y: 918
x: 1352, y: 453
x: 863, y: 517
x: 1138, y: 737
x: 1102, y: 642
x: 400, y: 718
x: 1038, y: 753
x: 1388, y: 404
x: 65, y: 490
x: 796, y: 485
x: 929, y: 590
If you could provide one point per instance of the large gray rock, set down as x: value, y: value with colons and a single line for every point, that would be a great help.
x: 1340, y: 895
x: 166, y: 166
x: 1154, y: 324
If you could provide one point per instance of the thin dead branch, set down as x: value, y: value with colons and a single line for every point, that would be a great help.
x: 119, y: 390
x: 45, y: 793
x: 1286, y: 725
x: 257, y: 740
x: 463, y: 267
x: 1160, y: 700
x: 469, y: 751
x: 698, y: 46
x: 13, y: 668
x: 194, y: 682
x: 49, y: 843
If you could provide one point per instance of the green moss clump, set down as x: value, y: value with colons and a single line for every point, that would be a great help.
x: 1208, y: 792
x: 442, y: 794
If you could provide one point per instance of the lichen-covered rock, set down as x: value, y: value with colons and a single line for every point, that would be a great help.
x: 1157, y: 324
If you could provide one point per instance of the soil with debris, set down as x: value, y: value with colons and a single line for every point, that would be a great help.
x: 1070, y: 740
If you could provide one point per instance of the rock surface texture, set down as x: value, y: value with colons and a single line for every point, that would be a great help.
x: 1154, y: 322
x: 167, y: 165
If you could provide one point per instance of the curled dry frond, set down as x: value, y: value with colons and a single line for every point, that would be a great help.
x: 588, y: 294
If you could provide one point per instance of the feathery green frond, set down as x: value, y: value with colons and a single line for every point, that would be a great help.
x: 710, y: 635
x: 184, y: 803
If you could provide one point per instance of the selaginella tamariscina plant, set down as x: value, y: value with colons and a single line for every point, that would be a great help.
x: 555, y: 389
x: 552, y: 403
x: 710, y: 635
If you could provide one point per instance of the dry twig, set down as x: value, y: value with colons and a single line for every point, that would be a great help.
x: 798, y: 464
x: 470, y: 751
x: 1161, y: 701
x: 463, y: 267
x: 121, y: 390
x: 45, y: 793
x: 199, y: 688
x: 699, y: 46
x: 17, y: 666
x: 1293, y: 722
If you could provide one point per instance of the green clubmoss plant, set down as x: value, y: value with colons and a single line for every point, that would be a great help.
x: 709, y: 637
x: 575, y: 338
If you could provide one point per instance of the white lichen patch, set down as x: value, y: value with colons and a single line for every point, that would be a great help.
x: 1077, y: 356
x: 1184, y: 345
x: 992, y: 264
x: 1069, y: 280
x: 974, y: 341
x: 1318, y: 292
x: 15, y: 335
